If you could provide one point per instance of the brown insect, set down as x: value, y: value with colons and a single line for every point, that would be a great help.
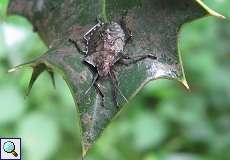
x: 105, y: 44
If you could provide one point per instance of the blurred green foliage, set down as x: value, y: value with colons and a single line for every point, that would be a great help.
x: 164, y: 122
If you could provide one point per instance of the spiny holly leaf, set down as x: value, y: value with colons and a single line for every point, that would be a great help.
x: 155, y: 25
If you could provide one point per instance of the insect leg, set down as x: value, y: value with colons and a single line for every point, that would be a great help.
x: 128, y: 33
x: 126, y: 60
x: 114, y: 93
x: 100, y: 92
x: 95, y: 84
x: 99, y: 20
x: 92, y: 84
x: 120, y: 55
x: 87, y: 34
x: 99, y: 24
x: 77, y: 45
x: 115, y: 87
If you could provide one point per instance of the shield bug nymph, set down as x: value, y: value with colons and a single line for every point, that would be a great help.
x: 105, y: 44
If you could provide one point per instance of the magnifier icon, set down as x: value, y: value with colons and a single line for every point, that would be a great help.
x: 9, y: 147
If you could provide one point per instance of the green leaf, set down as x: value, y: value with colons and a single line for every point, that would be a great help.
x: 155, y: 25
x: 12, y: 105
x: 151, y: 131
x: 3, y: 7
x: 40, y: 136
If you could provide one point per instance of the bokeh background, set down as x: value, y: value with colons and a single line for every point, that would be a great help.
x: 163, y: 122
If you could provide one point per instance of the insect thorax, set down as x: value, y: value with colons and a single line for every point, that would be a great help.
x: 105, y: 42
x: 106, y: 37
